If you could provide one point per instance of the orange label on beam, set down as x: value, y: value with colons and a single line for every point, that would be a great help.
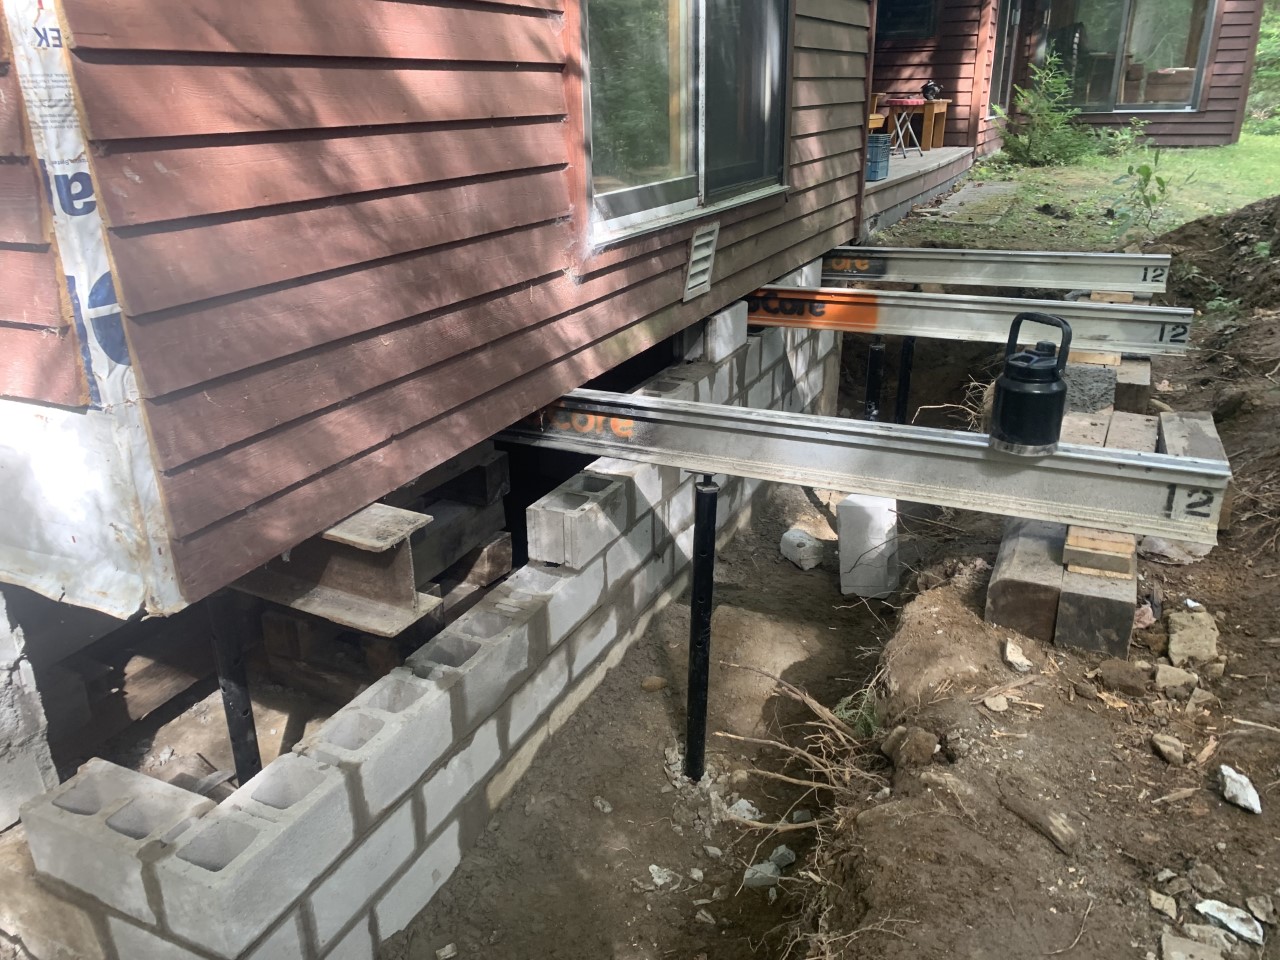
x: 854, y: 311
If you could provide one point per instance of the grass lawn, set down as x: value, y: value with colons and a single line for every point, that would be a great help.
x: 1221, y: 179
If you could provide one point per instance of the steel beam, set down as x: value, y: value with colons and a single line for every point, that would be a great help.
x: 1112, y: 327
x: 1121, y: 490
x: 1123, y: 272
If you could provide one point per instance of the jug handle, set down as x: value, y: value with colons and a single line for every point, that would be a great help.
x: 1049, y: 321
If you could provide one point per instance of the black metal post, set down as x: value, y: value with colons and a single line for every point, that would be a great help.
x: 875, y: 378
x: 704, y: 566
x: 906, y: 360
x: 227, y: 626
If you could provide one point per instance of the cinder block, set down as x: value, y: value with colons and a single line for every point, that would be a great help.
x: 421, y: 881
x: 652, y: 578
x: 569, y: 596
x: 51, y: 928
x: 451, y: 783
x: 760, y: 394
x: 538, y: 694
x: 595, y: 636
x: 697, y: 375
x: 668, y: 386
x: 651, y: 484
x: 809, y: 276
x: 725, y: 332
x: 235, y: 873
x: 827, y: 342
x: 1096, y: 613
x: 345, y: 891
x: 91, y: 831
x: 689, y: 342
x: 683, y: 544
x: 772, y: 347
x: 1026, y: 583
x: 574, y: 523
x: 868, y: 528
x: 676, y: 515
x: 26, y: 771
x: 755, y: 350
x: 133, y: 941
x: 357, y: 944
x: 285, y: 942
x: 724, y: 381
x: 389, y: 736
x: 633, y: 548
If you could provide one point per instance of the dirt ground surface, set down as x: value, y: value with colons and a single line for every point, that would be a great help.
x: 1022, y: 815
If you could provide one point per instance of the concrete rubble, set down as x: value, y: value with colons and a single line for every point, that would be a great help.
x: 802, y: 548
x: 1232, y: 918
x: 1239, y: 789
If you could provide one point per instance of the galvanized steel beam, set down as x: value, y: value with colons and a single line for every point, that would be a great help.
x: 1121, y: 490
x: 1122, y: 272
x: 1114, y: 327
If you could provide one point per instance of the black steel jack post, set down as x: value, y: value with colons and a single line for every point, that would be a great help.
x: 227, y: 626
x: 875, y: 378
x: 906, y: 360
x: 704, y: 568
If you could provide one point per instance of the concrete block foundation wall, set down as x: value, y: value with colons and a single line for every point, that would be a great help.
x: 337, y: 846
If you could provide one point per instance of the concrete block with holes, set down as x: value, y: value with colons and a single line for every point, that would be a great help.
x: 574, y: 523
x: 651, y: 484
x: 569, y: 596
x: 629, y: 551
x: 235, y: 872
x: 388, y: 737
x: 91, y: 831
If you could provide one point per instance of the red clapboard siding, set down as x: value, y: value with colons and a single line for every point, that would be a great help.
x: 143, y: 186
x: 30, y: 289
x: 180, y: 349
x: 222, y: 553
x: 319, y: 28
x: 20, y: 217
x: 41, y: 365
x: 159, y: 270
x: 169, y: 100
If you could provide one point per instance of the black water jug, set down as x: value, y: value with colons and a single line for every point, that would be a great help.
x: 931, y: 90
x: 1031, y: 395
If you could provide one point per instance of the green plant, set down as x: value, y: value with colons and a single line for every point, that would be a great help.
x: 1146, y: 195
x: 1120, y: 141
x: 1041, y: 131
x: 1262, y: 250
x: 858, y: 710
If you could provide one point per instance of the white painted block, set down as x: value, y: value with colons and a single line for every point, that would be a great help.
x: 89, y: 832
x: 868, y: 545
x: 623, y: 559
x: 376, y: 857
x: 237, y: 871
x: 390, y: 735
x: 356, y: 945
x: 424, y: 878
x: 283, y: 943
x: 538, y: 694
x: 725, y: 332
x: 134, y: 942
x: 572, y: 524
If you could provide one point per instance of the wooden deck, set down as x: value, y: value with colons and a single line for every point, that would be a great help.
x: 913, y: 180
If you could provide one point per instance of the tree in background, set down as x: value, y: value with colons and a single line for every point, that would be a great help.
x: 1262, y: 114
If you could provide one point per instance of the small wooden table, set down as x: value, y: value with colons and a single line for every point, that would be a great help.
x: 933, y: 121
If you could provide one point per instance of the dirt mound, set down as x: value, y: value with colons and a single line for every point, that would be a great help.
x: 1233, y: 257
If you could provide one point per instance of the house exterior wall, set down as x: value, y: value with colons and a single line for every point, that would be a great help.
x: 348, y: 239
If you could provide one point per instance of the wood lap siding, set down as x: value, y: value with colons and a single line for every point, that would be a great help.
x: 349, y: 245
x: 39, y: 352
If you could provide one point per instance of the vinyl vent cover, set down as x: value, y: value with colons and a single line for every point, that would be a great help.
x: 702, y: 258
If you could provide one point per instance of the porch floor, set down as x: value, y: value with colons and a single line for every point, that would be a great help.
x: 915, y: 179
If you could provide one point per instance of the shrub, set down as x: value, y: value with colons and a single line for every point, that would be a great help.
x: 1041, y: 131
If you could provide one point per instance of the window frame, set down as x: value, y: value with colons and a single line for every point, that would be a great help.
x: 623, y: 214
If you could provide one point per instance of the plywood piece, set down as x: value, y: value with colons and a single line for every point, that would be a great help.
x: 119, y: 99
x: 182, y: 266
x: 1095, y: 357
x: 1102, y: 296
x: 318, y: 28
x: 1102, y: 551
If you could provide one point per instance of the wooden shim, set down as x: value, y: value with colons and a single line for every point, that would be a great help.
x: 1095, y: 357
x: 221, y: 553
x: 144, y: 186
x: 1026, y: 582
x: 21, y: 216
x: 42, y: 365
x: 159, y: 270
x: 181, y: 349
x: 317, y: 28
x: 1133, y: 385
x: 119, y: 101
x: 31, y: 289
x: 1196, y: 435
x: 1102, y: 296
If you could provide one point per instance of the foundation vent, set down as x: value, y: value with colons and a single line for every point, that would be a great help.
x: 702, y: 258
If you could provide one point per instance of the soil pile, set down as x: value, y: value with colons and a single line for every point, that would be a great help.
x: 1231, y: 257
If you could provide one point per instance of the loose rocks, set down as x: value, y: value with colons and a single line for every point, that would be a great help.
x: 782, y: 856
x: 1193, y: 638
x: 1163, y: 904
x: 1263, y: 908
x: 761, y: 875
x: 1175, y: 681
x: 801, y: 548
x: 1204, y: 878
x: 1016, y: 659
x: 1176, y: 948
x: 1238, y: 789
x: 1168, y: 748
x: 1232, y: 918
x: 601, y: 804
x: 1123, y: 677
x: 653, y: 684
